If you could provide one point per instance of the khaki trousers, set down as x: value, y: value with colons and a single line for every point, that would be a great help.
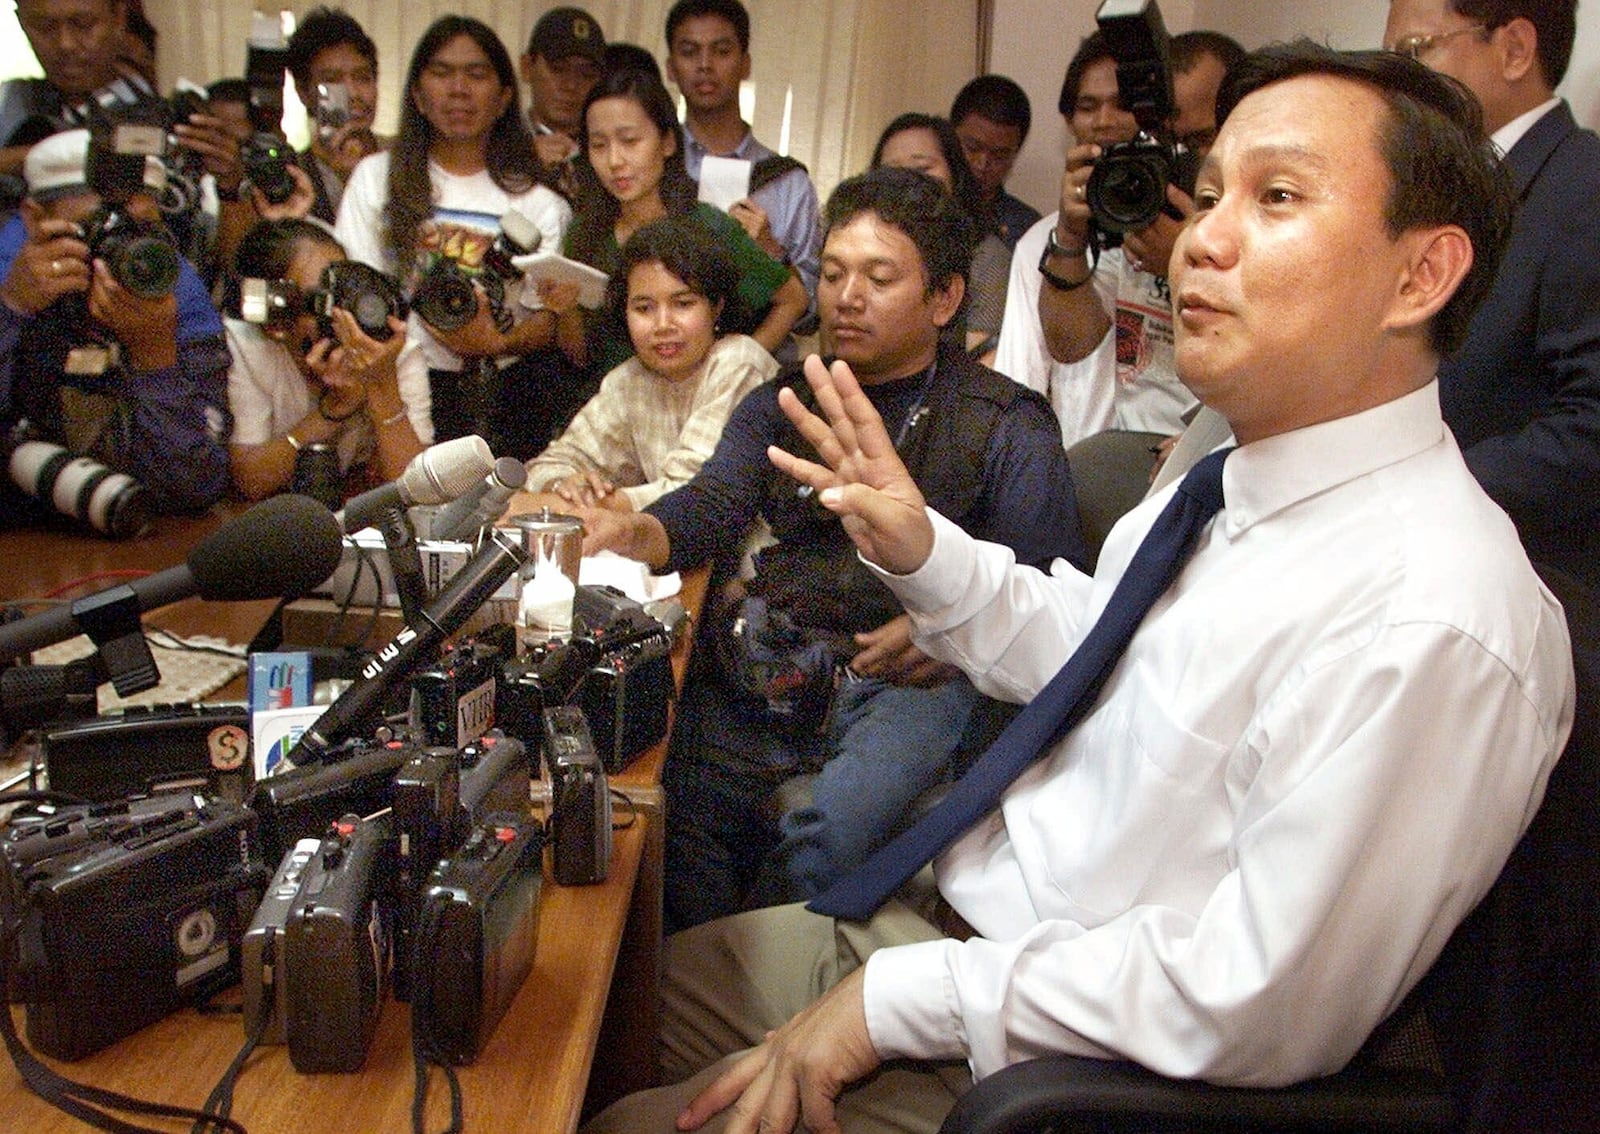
x: 730, y: 981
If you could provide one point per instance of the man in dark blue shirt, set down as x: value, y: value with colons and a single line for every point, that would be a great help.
x: 806, y: 662
x: 137, y: 381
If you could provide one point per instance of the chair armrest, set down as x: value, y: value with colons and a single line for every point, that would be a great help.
x: 1026, y: 1095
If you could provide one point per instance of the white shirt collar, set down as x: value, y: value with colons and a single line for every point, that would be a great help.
x: 1511, y: 133
x: 1268, y: 476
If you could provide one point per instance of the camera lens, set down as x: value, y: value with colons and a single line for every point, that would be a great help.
x: 111, y: 502
x: 371, y: 312
x: 368, y: 294
x: 145, y: 265
x: 141, y: 256
x: 445, y: 298
x: 1128, y: 187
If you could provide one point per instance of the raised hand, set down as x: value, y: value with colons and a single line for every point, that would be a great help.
x: 862, y: 480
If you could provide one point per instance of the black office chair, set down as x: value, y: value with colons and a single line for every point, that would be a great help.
x: 1508, y: 1008
x: 1110, y: 474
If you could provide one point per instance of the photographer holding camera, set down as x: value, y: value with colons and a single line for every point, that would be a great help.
x: 334, y: 65
x: 309, y: 373
x: 1055, y: 336
x: 109, y: 344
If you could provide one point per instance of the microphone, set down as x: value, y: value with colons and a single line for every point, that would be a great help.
x: 471, y: 512
x: 495, y: 562
x: 434, y: 476
x: 282, y: 546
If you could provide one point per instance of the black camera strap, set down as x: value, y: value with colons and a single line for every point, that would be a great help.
x: 424, y: 1053
x: 80, y: 1100
x: 219, y: 1103
x: 419, y: 1090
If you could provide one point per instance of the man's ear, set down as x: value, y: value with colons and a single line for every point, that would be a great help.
x: 947, y: 299
x: 1440, y: 260
x: 525, y: 67
x: 1517, y: 41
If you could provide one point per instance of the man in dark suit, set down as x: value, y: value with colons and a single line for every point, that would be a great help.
x: 1523, y: 394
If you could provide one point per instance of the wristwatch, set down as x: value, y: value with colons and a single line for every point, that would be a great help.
x: 1061, y: 283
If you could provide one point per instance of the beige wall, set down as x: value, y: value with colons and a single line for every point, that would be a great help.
x: 852, y: 64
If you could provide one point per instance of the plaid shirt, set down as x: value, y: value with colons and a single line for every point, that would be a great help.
x: 649, y: 436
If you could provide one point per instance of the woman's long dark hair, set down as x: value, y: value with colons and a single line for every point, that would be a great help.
x: 597, y: 210
x: 967, y: 192
x: 508, y: 151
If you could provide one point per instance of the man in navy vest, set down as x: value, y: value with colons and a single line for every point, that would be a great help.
x: 807, y: 658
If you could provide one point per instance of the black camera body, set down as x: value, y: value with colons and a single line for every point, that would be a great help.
x: 580, y: 801
x: 475, y: 936
x: 445, y: 298
x: 369, y: 295
x: 148, y: 750
x: 265, y: 155
x: 1127, y: 190
x: 335, y: 949
x: 142, y: 255
x: 134, y: 923
x: 266, y: 158
x: 358, y: 778
x: 453, y: 700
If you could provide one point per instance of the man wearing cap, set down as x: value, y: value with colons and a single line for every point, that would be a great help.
x: 565, y: 58
x: 135, y: 381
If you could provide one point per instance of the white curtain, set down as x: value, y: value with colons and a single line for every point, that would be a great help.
x: 836, y: 70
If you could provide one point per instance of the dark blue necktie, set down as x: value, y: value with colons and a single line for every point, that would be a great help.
x: 1057, y: 708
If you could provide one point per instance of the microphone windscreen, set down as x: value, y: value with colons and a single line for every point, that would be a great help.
x: 284, y: 545
x: 446, y: 470
x: 509, y: 473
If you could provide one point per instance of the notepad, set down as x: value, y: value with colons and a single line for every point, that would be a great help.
x: 553, y: 266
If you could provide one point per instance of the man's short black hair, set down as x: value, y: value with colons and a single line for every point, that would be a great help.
x: 631, y: 57
x: 730, y: 10
x: 918, y: 206
x: 1186, y: 50
x: 320, y: 29
x: 996, y: 98
x: 1555, y: 21
x: 1442, y: 170
x: 1094, y: 48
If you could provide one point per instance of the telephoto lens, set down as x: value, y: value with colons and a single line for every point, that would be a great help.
x: 112, y: 503
x: 317, y: 475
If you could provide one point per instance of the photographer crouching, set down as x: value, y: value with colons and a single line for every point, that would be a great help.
x: 110, y: 348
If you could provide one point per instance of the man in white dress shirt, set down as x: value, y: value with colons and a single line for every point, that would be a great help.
x: 1323, y: 740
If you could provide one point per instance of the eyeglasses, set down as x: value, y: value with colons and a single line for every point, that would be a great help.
x: 1414, y: 45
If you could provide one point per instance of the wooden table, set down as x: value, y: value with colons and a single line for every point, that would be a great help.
x: 535, y: 1072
